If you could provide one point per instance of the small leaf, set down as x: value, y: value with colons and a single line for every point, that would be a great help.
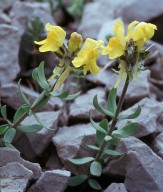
x: 9, y: 145
x: 100, y: 136
x: 81, y: 160
x: 94, y: 184
x: 112, y: 153
x: 23, y: 109
x: 9, y: 135
x: 3, y: 128
x: 93, y: 147
x: 23, y: 95
x: 29, y: 128
x: 77, y: 180
x: 126, y: 131
x: 96, y: 168
x: 60, y: 95
x: 132, y: 116
x: 72, y: 97
x: 97, y: 127
x: 100, y: 108
x: 112, y: 105
x: 108, y: 138
x: 3, y: 112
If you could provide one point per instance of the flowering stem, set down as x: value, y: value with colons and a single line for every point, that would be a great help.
x: 114, y: 120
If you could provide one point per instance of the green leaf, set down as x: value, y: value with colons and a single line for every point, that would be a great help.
x: 94, y: 184
x: 9, y: 145
x: 96, y: 168
x: 96, y: 126
x: 108, y: 138
x: 93, y: 147
x: 23, y: 95
x: 100, y: 108
x: 100, y: 136
x: 132, y: 116
x: 9, y: 135
x: 3, y: 128
x: 77, y: 180
x: 81, y: 160
x: 112, y: 105
x: 23, y: 109
x: 3, y: 112
x: 29, y: 128
x: 112, y: 152
x: 72, y: 97
x: 126, y: 131
x: 60, y: 95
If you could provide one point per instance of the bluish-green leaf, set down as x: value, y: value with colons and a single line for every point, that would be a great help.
x: 25, y: 99
x: 3, y: 128
x: 132, y: 116
x: 97, y: 126
x: 112, y: 152
x: 60, y: 95
x: 9, y: 145
x: 94, y: 184
x: 72, y: 97
x: 23, y: 109
x: 77, y: 180
x: 96, y: 168
x: 100, y: 108
x: 108, y: 138
x: 29, y: 128
x: 9, y: 135
x: 126, y: 131
x: 4, y: 112
x: 112, y: 105
x: 81, y: 160
x: 93, y: 147
x: 100, y: 136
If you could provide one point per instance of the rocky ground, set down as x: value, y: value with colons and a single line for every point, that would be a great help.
x: 41, y: 162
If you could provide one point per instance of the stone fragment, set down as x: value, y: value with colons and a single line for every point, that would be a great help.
x: 4, y: 18
x: 158, y: 145
x: 33, y: 144
x: 82, y: 105
x: 51, y: 181
x: 27, y: 11
x: 116, y: 187
x: 132, y: 11
x: 150, y: 119
x: 142, y: 168
x: 10, y: 95
x: 14, y: 177
x: 9, y: 155
x: 6, y: 4
x: 9, y: 48
x: 70, y: 143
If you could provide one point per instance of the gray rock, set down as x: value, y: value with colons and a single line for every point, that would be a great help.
x: 116, y: 187
x: 6, y: 4
x: 27, y: 11
x: 10, y: 95
x: 9, y: 48
x: 98, y: 11
x: 136, y: 90
x: 158, y: 145
x: 142, y: 168
x: 33, y: 144
x: 14, y: 177
x: 51, y: 181
x: 69, y: 142
x: 4, y: 18
x: 82, y: 105
x: 150, y: 119
x: 9, y: 155
x: 132, y: 11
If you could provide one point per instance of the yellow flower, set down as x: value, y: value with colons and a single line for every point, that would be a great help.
x: 87, y: 56
x: 74, y: 42
x: 54, y: 40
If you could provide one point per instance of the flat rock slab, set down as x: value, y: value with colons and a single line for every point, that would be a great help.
x: 9, y: 49
x: 116, y: 187
x: 51, y: 181
x: 9, y: 155
x: 14, y: 177
x: 6, y: 4
x: 69, y: 142
x: 33, y: 144
x: 150, y: 119
x: 142, y: 168
x: 82, y: 105
x: 158, y: 145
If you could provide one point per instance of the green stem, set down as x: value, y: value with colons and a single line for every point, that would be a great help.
x: 114, y: 120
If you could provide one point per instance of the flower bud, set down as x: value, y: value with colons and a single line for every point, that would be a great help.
x: 75, y: 42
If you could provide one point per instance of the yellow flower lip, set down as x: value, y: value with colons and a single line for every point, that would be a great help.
x: 74, y: 42
x: 54, y: 40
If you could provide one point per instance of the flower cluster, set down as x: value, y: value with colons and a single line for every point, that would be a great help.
x: 126, y: 48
